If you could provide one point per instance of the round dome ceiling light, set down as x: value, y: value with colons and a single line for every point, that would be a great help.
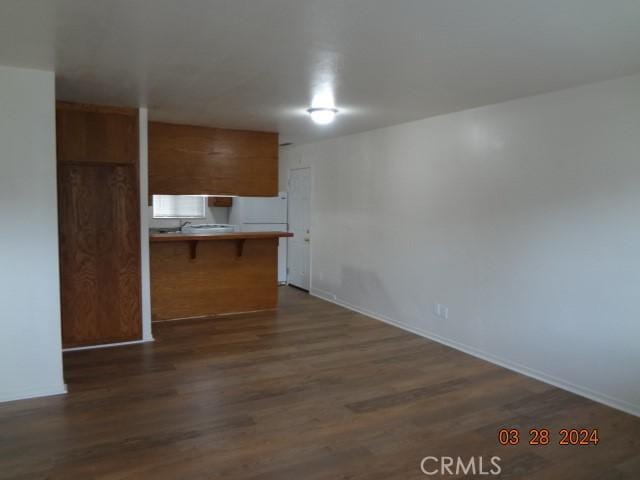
x: 322, y: 116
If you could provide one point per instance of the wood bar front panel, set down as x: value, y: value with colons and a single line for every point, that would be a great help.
x: 99, y: 254
x: 217, y: 281
x: 186, y: 160
x: 94, y: 134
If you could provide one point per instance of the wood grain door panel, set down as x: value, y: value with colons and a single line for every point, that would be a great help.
x: 99, y: 254
x: 92, y: 134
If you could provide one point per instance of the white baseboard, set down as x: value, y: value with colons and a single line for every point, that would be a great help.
x: 108, y: 345
x: 36, y: 392
x: 599, y: 397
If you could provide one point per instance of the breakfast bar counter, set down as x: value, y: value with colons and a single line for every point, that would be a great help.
x: 206, y: 275
x: 186, y: 237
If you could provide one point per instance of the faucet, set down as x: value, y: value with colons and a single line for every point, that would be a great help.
x: 182, y: 225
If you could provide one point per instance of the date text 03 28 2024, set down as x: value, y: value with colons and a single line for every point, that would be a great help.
x: 543, y: 436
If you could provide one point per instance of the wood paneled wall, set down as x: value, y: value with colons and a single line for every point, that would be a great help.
x: 186, y: 159
x: 99, y: 224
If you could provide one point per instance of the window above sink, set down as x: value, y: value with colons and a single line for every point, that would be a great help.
x: 179, y: 206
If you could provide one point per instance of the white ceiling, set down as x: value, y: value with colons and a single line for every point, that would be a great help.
x: 257, y: 64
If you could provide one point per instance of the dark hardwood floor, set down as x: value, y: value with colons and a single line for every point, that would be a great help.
x: 313, y: 391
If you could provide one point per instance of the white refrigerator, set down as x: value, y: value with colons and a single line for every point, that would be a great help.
x: 264, y: 214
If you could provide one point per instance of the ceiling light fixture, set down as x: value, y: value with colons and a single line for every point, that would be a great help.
x: 322, y: 116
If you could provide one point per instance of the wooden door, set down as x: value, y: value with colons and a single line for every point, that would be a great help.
x: 99, y: 254
x: 99, y: 228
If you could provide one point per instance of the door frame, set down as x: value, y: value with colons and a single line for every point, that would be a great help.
x: 291, y: 169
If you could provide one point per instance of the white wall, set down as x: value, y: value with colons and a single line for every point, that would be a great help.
x: 30, y: 343
x: 522, y: 217
x: 145, y: 273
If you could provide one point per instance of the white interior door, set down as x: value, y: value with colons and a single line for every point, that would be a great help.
x: 298, y: 256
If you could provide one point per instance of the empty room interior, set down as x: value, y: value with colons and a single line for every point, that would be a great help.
x: 319, y: 239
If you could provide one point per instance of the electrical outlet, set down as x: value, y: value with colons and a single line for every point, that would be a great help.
x: 441, y: 311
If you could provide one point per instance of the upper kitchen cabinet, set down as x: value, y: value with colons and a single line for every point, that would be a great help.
x: 96, y: 134
x: 188, y: 160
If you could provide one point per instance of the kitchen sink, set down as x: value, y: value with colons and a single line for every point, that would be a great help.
x: 208, y: 228
x: 164, y: 230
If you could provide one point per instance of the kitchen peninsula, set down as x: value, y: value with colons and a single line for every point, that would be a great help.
x: 204, y: 275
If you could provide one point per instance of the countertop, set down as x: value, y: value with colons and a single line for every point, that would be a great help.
x: 203, y: 237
